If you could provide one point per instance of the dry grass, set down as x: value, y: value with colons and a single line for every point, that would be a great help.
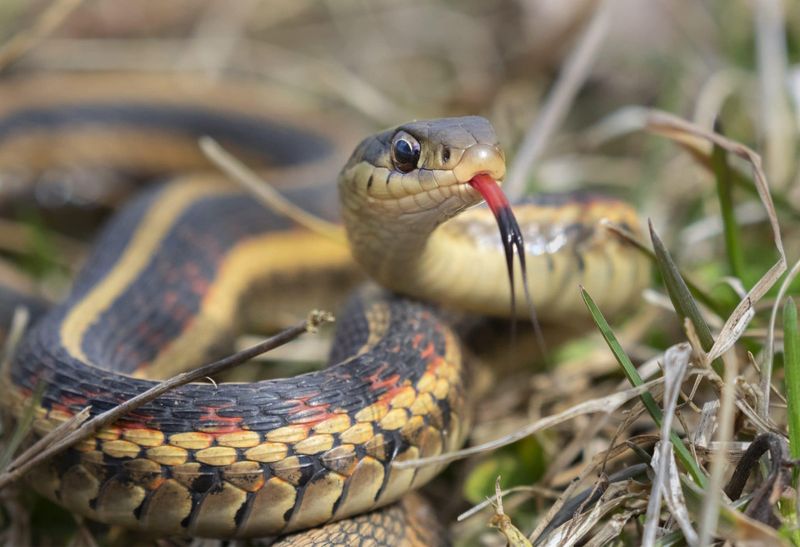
x: 649, y: 441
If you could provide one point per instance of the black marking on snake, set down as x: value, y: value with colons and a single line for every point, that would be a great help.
x: 244, y: 510
x: 202, y: 483
x: 393, y: 445
x: 310, y: 476
x: 209, y: 481
x: 342, y: 495
x: 138, y: 511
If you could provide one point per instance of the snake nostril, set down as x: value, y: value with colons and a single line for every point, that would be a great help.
x: 445, y: 154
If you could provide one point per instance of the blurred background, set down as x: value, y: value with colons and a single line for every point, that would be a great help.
x: 378, y: 63
x: 564, y: 83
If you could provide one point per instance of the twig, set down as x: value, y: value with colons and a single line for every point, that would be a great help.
x: 603, y: 404
x: 262, y: 190
x: 21, y: 466
x: 502, y: 522
x: 710, y: 512
x: 560, y: 98
x: 533, y: 490
x: 676, y: 363
x: 29, y: 36
x: 55, y: 435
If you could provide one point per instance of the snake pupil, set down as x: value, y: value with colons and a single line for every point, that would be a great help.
x: 405, y: 154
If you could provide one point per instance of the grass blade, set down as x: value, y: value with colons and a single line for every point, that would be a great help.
x: 698, y: 293
x: 791, y: 360
x: 678, y: 291
x: 649, y: 402
x: 722, y: 172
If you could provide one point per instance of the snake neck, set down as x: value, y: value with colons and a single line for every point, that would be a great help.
x: 430, y: 260
x: 393, y: 256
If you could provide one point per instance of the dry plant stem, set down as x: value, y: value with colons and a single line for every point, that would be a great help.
x: 606, y: 404
x: 533, y: 490
x: 775, y: 110
x: 20, y: 466
x: 673, y: 496
x: 676, y: 364
x: 28, y: 37
x: 567, y: 535
x: 56, y: 434
x: 547, y: 522
x: 503, y: 523
x: 19, y: 323
x: 710, y: 512
x: 569, y: 452
x: 265, y: 193
x: 582, y: 501
x: 576, y: 69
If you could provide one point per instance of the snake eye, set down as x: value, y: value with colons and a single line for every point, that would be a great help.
x: 405, y: 152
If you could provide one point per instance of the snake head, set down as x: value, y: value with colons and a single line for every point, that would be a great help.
x: 399, y: 185
x: 421, y: 170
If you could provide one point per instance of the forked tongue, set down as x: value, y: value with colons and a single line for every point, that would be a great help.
x: 511, y: 238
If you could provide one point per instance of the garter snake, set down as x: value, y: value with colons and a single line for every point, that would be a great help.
x: 170, y: 274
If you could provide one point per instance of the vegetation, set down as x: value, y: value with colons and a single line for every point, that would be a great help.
x: 677, y: 423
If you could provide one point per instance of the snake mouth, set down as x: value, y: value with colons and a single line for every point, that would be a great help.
x: 438, y: 187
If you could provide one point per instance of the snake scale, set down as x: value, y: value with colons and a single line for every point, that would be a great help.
x: 173, y: 273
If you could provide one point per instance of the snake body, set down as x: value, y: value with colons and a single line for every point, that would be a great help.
x: 170, y: 275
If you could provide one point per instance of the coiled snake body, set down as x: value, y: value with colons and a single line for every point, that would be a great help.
x: 169, y: 278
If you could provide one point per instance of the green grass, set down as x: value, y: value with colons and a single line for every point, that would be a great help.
x: 791, y: 365
x: 722, y: 172
x: 683, y: 454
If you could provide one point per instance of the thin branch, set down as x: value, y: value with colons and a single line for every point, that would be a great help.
x: 709, y: 515
x: 265, y: 193
x: 607, y: 404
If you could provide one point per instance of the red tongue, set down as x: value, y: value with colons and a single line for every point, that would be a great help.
x: 511, y: 239
x: 491, y: 192
x: 510, y: 234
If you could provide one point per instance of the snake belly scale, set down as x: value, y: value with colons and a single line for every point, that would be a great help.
x: 165, y: 288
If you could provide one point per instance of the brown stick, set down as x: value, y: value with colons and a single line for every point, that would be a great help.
x: 20, y: 465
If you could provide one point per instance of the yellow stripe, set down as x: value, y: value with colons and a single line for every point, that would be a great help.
x: 255, y: 258
x: 157, y: 222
